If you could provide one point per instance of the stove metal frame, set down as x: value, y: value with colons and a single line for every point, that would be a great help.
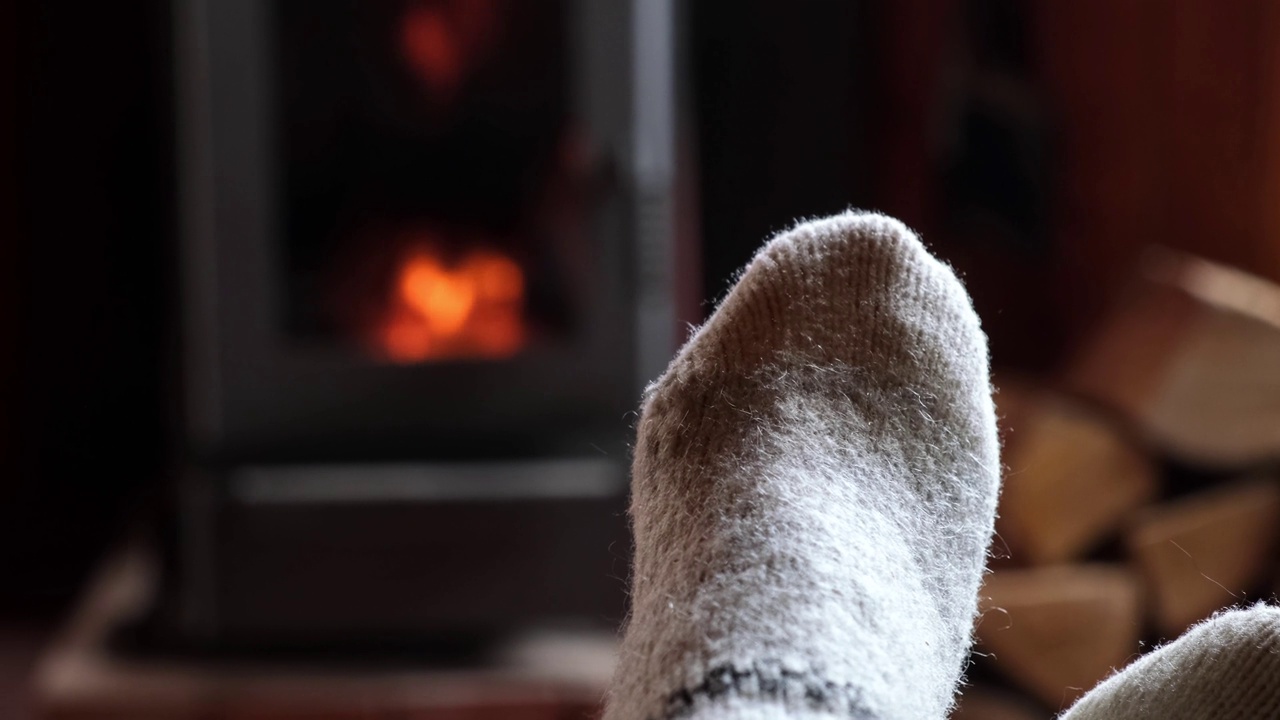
x: 508, y: 469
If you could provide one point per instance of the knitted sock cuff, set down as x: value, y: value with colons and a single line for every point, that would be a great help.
x: 768, y: 681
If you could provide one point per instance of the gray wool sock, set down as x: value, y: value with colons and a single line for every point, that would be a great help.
x: 1225, y: 668
x: 813, y: 490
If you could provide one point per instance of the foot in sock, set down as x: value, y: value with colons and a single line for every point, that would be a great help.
x: 1226, y: 668
x: 814, y: 488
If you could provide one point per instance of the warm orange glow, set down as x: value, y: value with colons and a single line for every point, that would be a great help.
x: 430, y: 48
x: 471, y: 308
x: 443, y: 41
x: 498, y: 278
x: 443, y: 299
x: 406, y: 339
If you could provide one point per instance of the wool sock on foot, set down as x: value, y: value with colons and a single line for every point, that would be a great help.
x: 1225, y: 668
x: 813, y: 490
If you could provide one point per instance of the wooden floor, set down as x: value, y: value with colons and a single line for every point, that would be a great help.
x: 552, y: 676
x: 22, y: 637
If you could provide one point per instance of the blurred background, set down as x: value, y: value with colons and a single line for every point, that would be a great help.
x: 323, y: 322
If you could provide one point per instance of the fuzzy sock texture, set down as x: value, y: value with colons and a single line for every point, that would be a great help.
x: 1225, y: 668
x: 813, y: 490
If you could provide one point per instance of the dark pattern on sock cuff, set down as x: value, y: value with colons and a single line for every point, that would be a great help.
x: 768, y: 682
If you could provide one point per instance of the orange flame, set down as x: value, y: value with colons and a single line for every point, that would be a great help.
x: 473, y: 308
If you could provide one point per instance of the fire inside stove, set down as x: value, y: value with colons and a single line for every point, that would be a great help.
x: 429, y: 178
x: 438, y: 307
x: 441, y: 41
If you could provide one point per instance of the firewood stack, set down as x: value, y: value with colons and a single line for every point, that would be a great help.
x: 1141, y: 492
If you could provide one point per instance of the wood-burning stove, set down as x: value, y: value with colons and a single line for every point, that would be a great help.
x: 426, y: 269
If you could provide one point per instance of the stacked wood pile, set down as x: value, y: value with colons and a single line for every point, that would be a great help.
x: 1141, y: 492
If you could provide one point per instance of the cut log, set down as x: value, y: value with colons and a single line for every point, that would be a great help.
x: 1190, y: 356
x: 1058, y: 631
x: 982, y: 703
x: 1205, y: 552
x: 1071, y: 480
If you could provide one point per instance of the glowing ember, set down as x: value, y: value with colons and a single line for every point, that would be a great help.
x: 471, y: 308
x: 430, y: 49
x: 442, y: 40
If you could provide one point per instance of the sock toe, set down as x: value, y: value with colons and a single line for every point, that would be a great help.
x: 1226, y: 667
x: 857, y: 289
x: 814, y: 488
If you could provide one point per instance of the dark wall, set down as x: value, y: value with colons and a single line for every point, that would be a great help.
x: 779, y: 120
x: 82, y: 287
x: 10, y: 242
